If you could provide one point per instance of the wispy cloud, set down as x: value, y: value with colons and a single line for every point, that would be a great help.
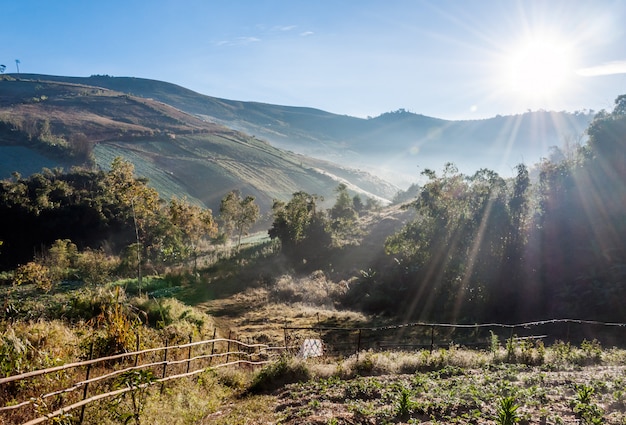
x: 284, y: 27
x: 306, y: 33
x: 609, y: 68
x: 239, y: 41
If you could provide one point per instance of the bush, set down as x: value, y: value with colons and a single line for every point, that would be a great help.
x: 95, y: 267
x: 165, y: 312
x: 35, y: 274
x: 278, y: 374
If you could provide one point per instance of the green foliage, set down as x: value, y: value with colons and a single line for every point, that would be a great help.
x: 238, y: 215
x: 494, y: 343
x: 456, y: 246
x: 279, y: 373
x: 60, y: 259
x: 13, y: 353
x: 301, y: 229
x: 130, y: 405
x: 404, y: 404
x: 115, y: 325
x: 95, y: 267
x: 193, y: 223
x: 35, y: 274
x: 507, y: 411
x: 585, y: 409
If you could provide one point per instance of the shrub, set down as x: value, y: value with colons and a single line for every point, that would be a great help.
x: 34, y: 273
x: 278, y: 374
x: 95, y: 267
x: 13, y: 351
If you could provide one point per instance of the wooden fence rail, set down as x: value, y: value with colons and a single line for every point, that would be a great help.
x: 248, y: 354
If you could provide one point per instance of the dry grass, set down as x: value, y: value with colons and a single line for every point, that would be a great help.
x: 261, y: 312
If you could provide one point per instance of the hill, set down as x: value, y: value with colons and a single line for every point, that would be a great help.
x: 395, y: 145
x: 60, y: 124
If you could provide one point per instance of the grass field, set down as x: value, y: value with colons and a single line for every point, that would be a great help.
x: 24, y: 160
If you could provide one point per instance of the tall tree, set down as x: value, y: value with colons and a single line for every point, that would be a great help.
x: 194, y: 223
x: 136, y: 200
x: 238, y: 215
x: 301, y: 229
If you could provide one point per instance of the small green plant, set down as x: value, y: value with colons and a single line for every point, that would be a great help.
x: 588, y: 412
x: 592, y: 352
x: 510, y: 349
x: 584, y: 393
x: 507, y: 411
x: 130, y: 405
x: 43, y: 409
x: 404, y: 404
x: 494, y: 343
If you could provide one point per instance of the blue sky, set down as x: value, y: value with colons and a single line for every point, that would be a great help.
x: 448, y: 59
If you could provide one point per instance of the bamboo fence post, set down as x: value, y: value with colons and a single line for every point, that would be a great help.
x: 164, y: 364
x: 212, y: 346
x: 228, y: 346
x: 189, y: 353
x: 82, y: 410
x: 137, y: 349
x: 285, y: 333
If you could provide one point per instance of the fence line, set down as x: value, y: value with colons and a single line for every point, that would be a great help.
x: 122, y: 355
x: 341, y: 340
x: 97, y: 397
x: 253, y: 351
x: 459, y: 325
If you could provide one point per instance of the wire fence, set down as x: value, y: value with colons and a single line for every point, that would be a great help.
x: 421, y: 335
x: 75, y: 385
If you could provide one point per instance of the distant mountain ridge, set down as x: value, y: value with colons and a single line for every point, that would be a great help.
x: 395, y: 145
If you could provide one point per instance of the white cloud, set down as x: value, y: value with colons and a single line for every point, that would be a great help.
x: 238, y: 41
x: 284, y: 27
x: 609, y: 68
x: 306, y: 33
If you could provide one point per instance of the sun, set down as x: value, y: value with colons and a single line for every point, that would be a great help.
x: 538, y: 68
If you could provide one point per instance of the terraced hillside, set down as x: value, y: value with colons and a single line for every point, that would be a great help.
x: 60, y: 124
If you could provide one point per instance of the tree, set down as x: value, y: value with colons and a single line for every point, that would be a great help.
x: 344, y: 206
x: 135, y: 199
x: 301, y: 229
x: 452, y: 252
x: 193, y: 222
x: 357, y: 204
x: 2, y: 68
x: 238, y: 215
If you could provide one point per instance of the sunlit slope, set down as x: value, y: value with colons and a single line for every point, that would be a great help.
x: 206, y: 167
x: 181, y: 154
